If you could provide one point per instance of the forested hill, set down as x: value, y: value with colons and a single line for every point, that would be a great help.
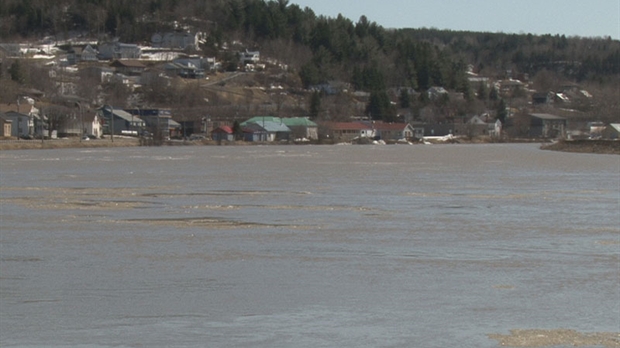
x: 321, y: 48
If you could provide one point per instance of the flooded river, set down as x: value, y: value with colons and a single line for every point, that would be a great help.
x: 305, y: 246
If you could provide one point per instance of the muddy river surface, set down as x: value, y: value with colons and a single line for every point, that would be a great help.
x: 305, y: 246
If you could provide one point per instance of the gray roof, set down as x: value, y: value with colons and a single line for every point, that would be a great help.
x: 298, y: 122
x: 254, y: 127
x: 476, y: 120
x: 272, y: 127
x: 123, y: 114
x: 288, y: 121
x: 615, y: 126
x: 261, y: 119
x: 547, y: 117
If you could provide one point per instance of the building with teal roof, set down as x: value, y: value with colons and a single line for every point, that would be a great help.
x: 299, y: 127
x: 274, y: 130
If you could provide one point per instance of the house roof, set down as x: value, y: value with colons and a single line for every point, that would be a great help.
x: 124, y: 115
x: 437, y: 90
x: 260, y: 119
x: 298, y: 122
x: 476, y: 120
x: 547, y: 117
x: 511, y: 82
x: 390, y: 126
x: 615, y: 126
x: 14, y: 114
x: 89, y: 48
x: 121, y: 114
x: 126, y: 63
x: 273, y: 127
x: 181, y: 66
x: 288, y: 121
x: 24, y: 108
x: 223, y: 129
x: 253, y: 128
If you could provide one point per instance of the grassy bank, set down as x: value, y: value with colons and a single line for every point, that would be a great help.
x: 66, y: 143
x: 585, y: 146
x: 581, y: 146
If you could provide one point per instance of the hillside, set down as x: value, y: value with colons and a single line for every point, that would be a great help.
x: 392, y: 70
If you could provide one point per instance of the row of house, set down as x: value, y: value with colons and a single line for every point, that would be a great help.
x: 269, y: 128
x: 105, y: 120
x: 129, y: 59
x: 273, y: 128
x: 27, y: 121
x: 130, y: 52
x: 137, y: 122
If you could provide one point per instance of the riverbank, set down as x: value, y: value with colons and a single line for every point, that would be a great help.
x: 66, y: 143
x: 579, y: 146
x: 585, y: 146
x: 118, y: 142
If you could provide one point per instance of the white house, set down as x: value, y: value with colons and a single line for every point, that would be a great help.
x: 612, y: 131
x: 117, y: 50
x: 250, y: 57
x: 346, y: 131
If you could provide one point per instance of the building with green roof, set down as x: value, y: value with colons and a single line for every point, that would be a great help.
x: 301, y: 127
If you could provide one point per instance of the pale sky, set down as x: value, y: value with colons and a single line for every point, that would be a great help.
x: 589, y: 18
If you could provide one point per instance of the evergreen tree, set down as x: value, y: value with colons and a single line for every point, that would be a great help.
x: 231, y: 61
x: 16, y: 72
x: 405, y: 98
x: 315, y: 104
x: 370, y: 78
x: 411, y: 74
x: 423, y: 98
x: 502, y: 113
x: 310, y: 75
x: 380, y: 107
x: 483, y: 92
x: 237, y: 131
x: 494, y: 94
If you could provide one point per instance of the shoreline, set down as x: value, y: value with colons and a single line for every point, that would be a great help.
x: 607, y: 147
x: 575, y: 146
x: 6, y: 145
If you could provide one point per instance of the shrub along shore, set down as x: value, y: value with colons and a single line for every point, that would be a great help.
x: 585, y: 146
x: 581, y: 146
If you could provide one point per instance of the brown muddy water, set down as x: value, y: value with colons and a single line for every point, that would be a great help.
x: 307, y: 246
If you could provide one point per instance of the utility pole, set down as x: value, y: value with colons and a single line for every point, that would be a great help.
x: 112, y: 120
x: 19, y: 119
x: 42, y: 129
x: 105, y: 108
x: 81, y: 120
